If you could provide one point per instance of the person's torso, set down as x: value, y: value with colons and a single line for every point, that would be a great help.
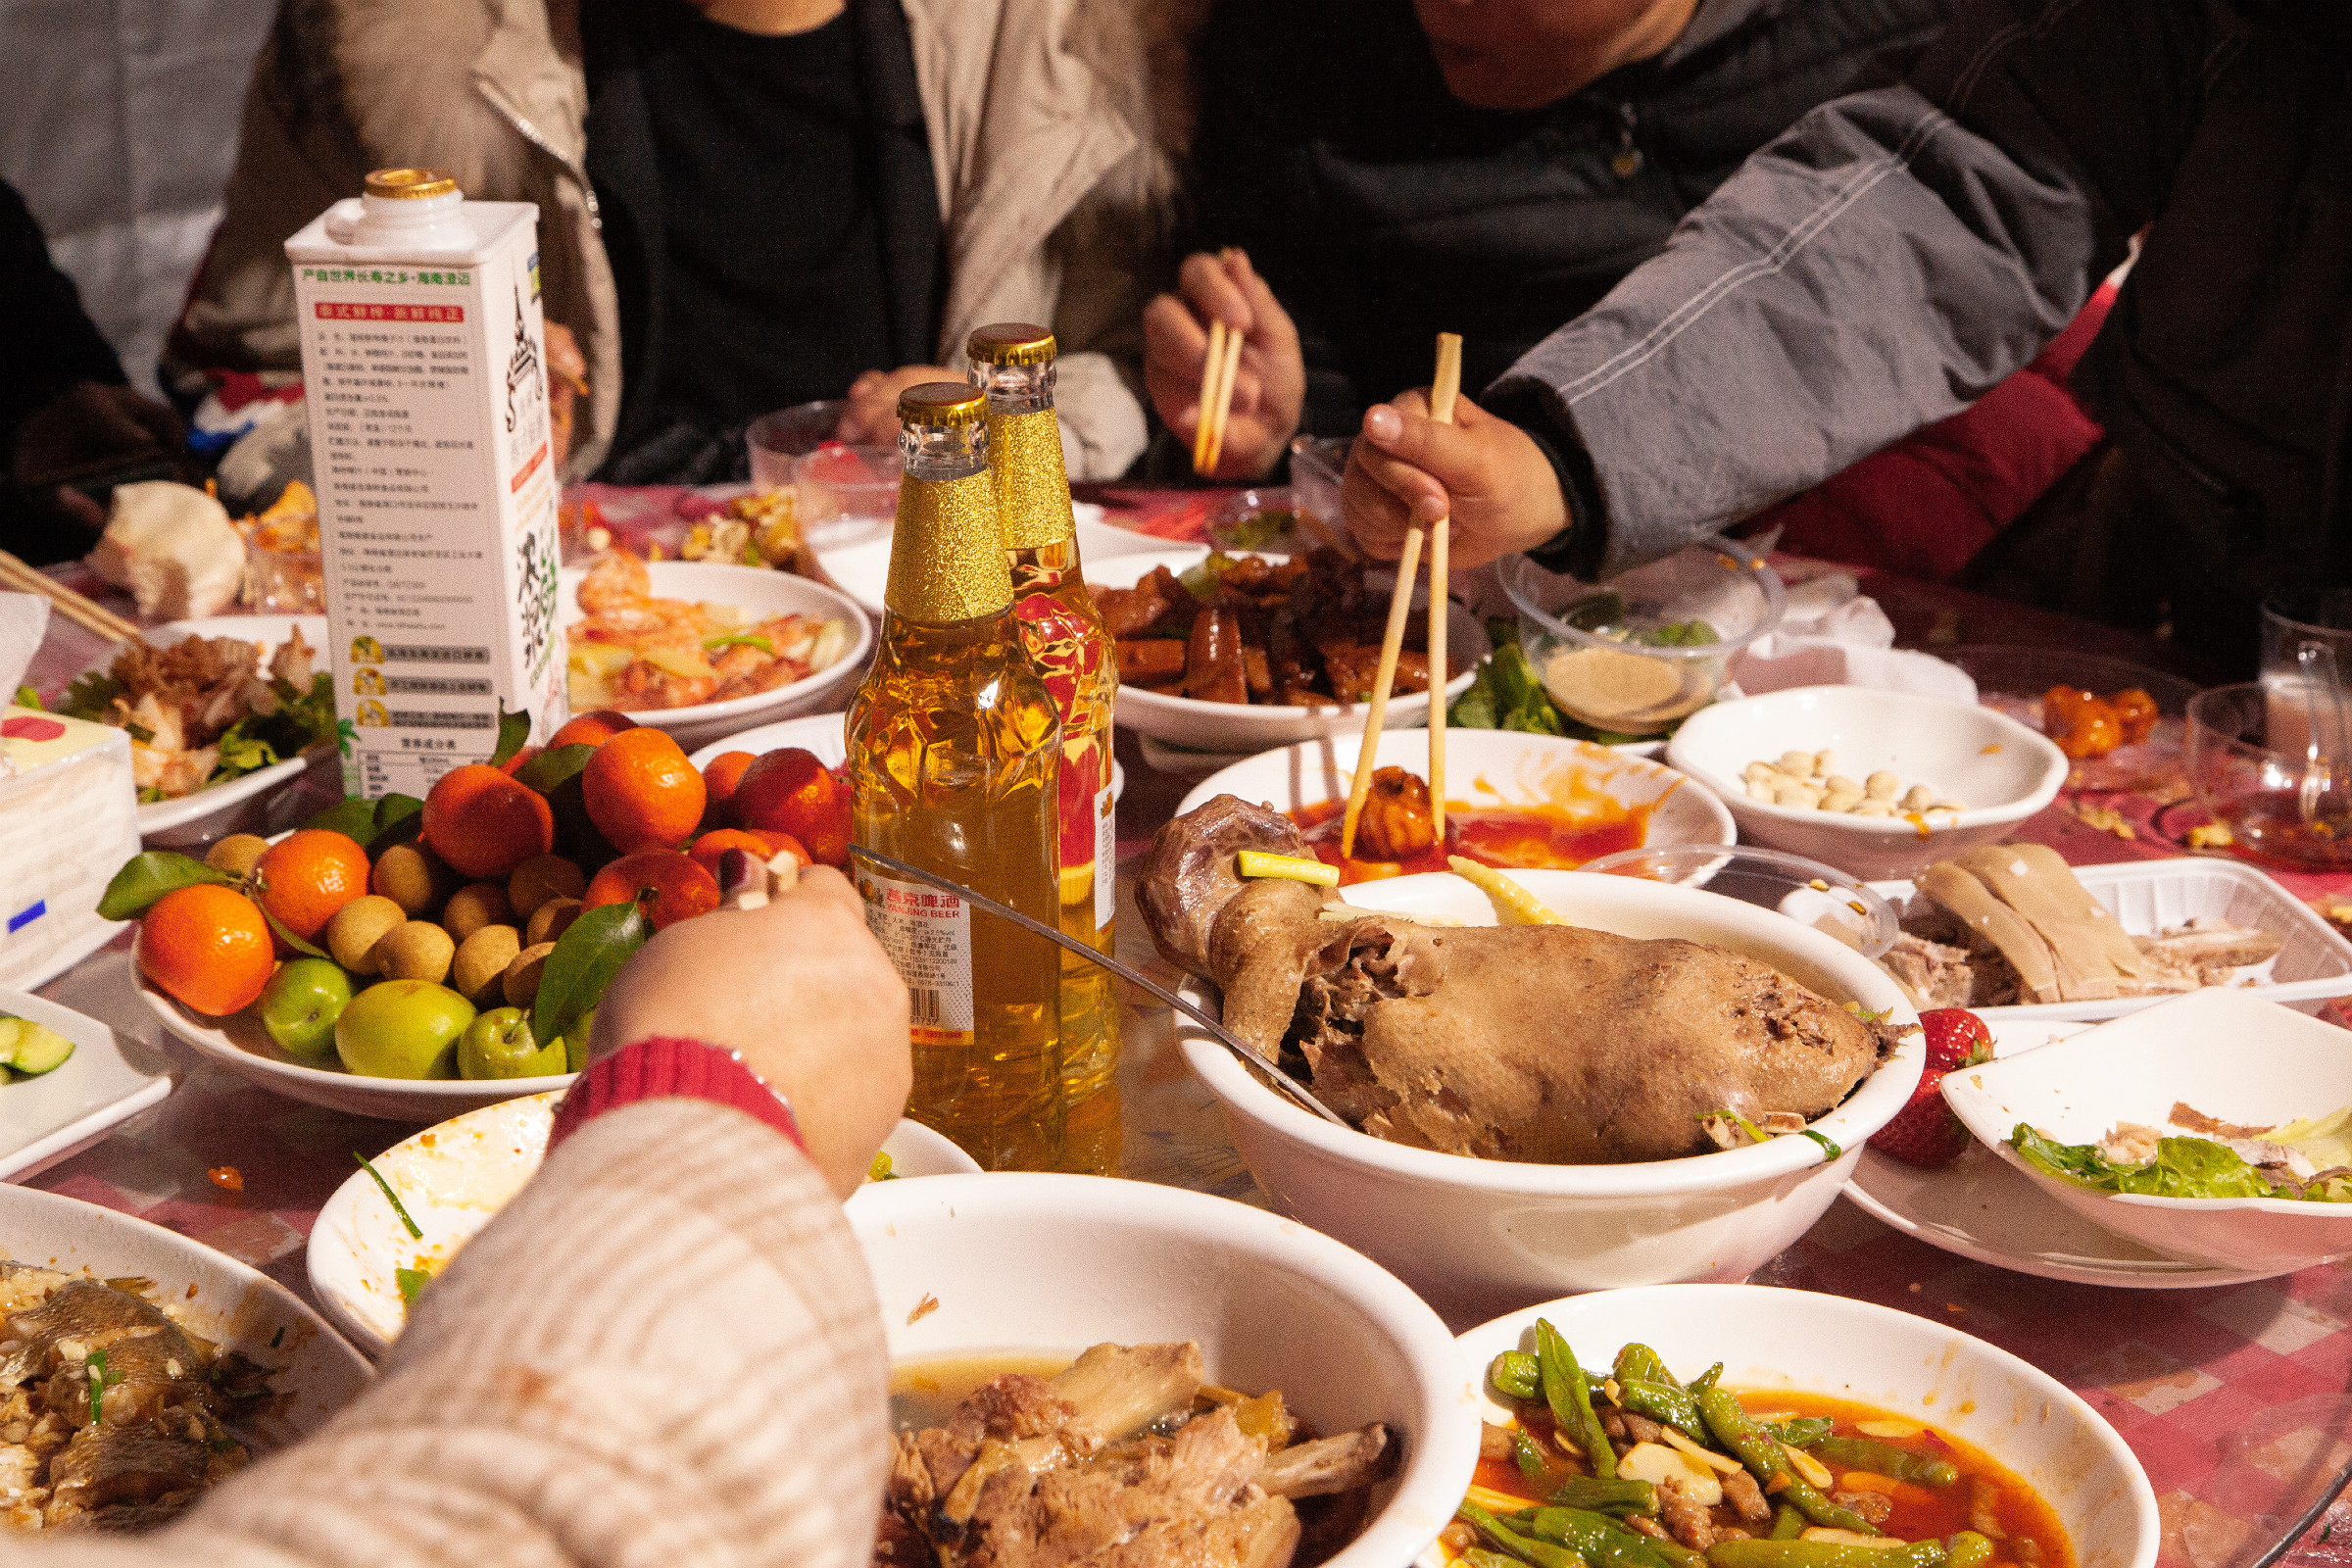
x: 1384, y: 210
x: 763, y: 196
x: 2225, y: 372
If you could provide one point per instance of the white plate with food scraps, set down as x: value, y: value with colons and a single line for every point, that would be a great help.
x: 108, y: 1079
x: 240, y: 804
x: 824, y: 736
x: 756, y: 594
x: 235, y: 1306
x: 1248, y: 728
x: 1983, y: 1208
x: 862, y: 568
x: 1914, y: 1369
x: 1627, y: 800
x: 2149, y: 897
x: 453, y: 1180
x: 2212, y: 1055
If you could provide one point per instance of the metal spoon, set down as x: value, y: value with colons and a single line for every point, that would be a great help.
x: 1281, y: 1081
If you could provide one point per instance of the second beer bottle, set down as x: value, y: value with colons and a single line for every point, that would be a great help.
x: 955, y: 748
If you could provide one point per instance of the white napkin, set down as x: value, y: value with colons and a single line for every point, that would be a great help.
x: 24, y: 621
x: 1833, y: 634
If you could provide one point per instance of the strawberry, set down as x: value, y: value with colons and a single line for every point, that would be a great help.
x: 1924, y: 1132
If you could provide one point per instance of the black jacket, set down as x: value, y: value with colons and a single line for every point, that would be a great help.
x: 1901, y: 250
x: 1383, y: 211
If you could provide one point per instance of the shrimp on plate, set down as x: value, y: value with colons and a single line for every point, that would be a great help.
x: 636, y: 652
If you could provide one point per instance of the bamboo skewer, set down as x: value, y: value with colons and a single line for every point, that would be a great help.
x: 1445, y: 385
x: 1217, y: 377
x: 83, y: 612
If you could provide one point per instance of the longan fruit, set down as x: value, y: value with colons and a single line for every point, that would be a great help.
x: 474, y: 906
x: 521, y: 979
x: 237, y: 854
x: 410, y: 877
x: 357, y: 926
x: 415, y: 950
x: 550, y: 921
x: 481, y: 962
x: 542, y: 877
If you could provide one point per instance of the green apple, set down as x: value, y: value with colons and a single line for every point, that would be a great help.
x: 499, y: 1045
x: 301, y: 1004
x: 576, y: 1044
x: 403, y: 1029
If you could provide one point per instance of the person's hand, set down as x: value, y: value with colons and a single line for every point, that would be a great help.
x: 1269, y: 387
x: 566, y: 385
x: 1482, y: 472
x: 803, y: 991
x: 873, y: 417
x: 88, y: 421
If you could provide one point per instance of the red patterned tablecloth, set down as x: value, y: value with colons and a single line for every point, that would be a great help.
x: 2232, y: 1397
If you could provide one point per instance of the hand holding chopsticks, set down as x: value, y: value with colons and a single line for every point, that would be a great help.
x: 1217, y: 373
x: 1444, y: 387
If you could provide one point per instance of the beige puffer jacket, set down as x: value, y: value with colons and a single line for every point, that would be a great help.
x: 1052, y: 153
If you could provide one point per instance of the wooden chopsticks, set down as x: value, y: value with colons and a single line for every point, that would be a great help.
x: 83, y: 612
x: 1444, y: 387
x: 1217, y: 373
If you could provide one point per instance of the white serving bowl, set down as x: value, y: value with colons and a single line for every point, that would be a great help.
x: 967, y: 1265
x: 1485, y: 768
x: 1478, y: 1237
x: 764, y: 593
x: 454, y: 1179
x: 237, y: 1307
x: 1907, y: 1365
x: 1248, y: 728
x: 2002, y: 771
x: 2230, y: 1056
x: 242, y: 804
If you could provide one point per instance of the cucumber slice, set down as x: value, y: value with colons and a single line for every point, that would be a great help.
x: 31, y: 1049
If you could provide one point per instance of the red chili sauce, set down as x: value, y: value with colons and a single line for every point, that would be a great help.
x: 1526, y: 838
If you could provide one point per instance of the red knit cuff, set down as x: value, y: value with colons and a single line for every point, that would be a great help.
x: 670, y: 1068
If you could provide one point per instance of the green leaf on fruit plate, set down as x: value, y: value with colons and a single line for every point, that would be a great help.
x: 551, y: 768
x: 586, y: 957
x: 398, y: 819
x: 513, y: 730
x: 279, y: 929
x: 146, y: 878
x: 350, y: 816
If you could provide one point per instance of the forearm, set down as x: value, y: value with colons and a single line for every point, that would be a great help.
x: 1888, y: 259
x: 665, y: 1351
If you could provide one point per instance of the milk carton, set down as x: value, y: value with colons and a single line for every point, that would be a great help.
x: 423, y: 362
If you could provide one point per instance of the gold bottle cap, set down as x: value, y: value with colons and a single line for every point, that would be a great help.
x: 938, y: 403
x: 408, y: 184
x: 1013, y: 343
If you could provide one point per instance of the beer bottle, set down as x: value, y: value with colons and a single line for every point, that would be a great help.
x: 955, y: 748
x: 1072, y: 649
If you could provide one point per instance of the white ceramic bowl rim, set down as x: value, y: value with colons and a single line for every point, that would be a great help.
x: 2054, y: 774
x: 1511, y: 572
x: 1425, y: 1495
x: 840, y: 605
x: 1872, y: 1103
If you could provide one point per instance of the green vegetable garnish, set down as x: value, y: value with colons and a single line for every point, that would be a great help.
x: 741, y: 639
x: 1200, y: 580
x: 411, y: 1283
x: 1258, y: 529
x: 390, y: 1196
x: 879, y: 1170
x: 27, y: 697
x: 2184, y: 1167
x: 1829, y: 1151
x: 100, y: 1379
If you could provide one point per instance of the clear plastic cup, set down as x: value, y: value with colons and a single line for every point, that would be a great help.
x: 777, y: 441
x: 846, y: 493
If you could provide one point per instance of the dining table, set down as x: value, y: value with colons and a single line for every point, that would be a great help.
x: 2237, y: 1398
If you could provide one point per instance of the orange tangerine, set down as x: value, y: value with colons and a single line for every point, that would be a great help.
x: 642, y: 793
x: 485, y: 823
x: 208, y: 948
x: 304, y: 877
x: 673, y: 886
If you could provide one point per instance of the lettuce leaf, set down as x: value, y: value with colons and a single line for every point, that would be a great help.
x: 2326, y: 1140
x: 302, y: 720
x: 2184, y: 1167
x: 90, y: 695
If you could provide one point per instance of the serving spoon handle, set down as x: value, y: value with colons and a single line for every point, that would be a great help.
x: 1282, y: 1081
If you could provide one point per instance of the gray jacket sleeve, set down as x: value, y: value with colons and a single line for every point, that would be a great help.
x: 1877, y: 267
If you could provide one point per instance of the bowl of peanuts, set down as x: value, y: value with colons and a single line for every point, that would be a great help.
x: 1876, y: 783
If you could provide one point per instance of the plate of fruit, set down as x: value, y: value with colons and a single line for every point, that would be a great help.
x: 413, y: 959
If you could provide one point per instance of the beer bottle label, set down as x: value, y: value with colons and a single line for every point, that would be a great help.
x: 928, y: 935
x: 1106, y: 858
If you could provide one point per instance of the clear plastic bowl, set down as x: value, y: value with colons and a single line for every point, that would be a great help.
x: 1804, y: 890
x: 1262, y: 521
x: 1602, y: 650
x: 1317, y: 462
x: 2250, y: 758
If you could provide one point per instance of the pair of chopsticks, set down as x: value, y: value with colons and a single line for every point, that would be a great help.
x: 83, y: 612
x: 1224, y: 362
x: 1445, y: 386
